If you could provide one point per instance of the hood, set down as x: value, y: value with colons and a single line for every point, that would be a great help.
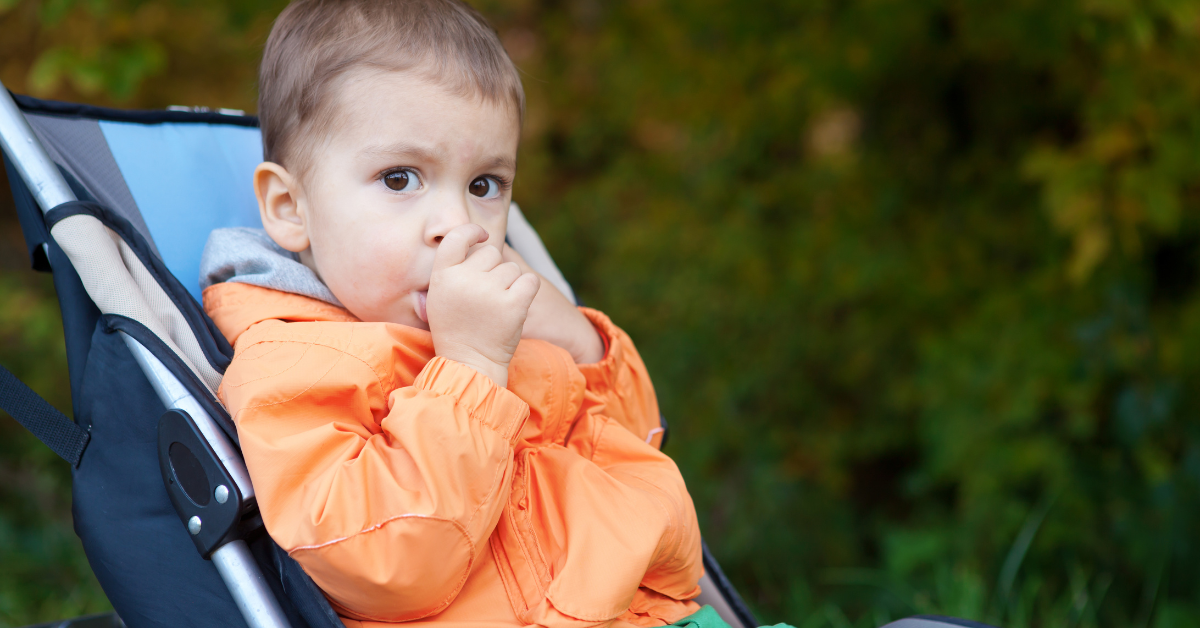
x: 250, y: 256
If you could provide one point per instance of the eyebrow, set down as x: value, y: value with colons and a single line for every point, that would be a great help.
x: 431, y: 154
x: 502, y: 162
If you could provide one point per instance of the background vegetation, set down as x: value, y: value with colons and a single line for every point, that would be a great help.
x: 916, y: 279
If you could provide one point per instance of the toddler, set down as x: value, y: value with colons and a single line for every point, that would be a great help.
x: 434, y: 433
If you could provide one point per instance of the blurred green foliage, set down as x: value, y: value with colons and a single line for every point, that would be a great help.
x: 916, y: 280
x: 43, y: 572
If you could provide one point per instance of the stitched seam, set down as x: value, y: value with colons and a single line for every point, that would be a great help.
x: 383, y: 390
x: 523, y: 542
x: 261, y: 355
x: 497, y: 478
x: 553, y: 412
x: 378, y: 380
x: 443, y: 391
x: 570, y: 609
x: 597, y: 439
x: 511, y: 589
x: 376, y: 526
x: 672, y: 528
x: 564, y: 383
x: 341, y: 353
x: 299, y: 359
x: 673, y: 535
x: 672, y: 531
x: 320, y: 341
x: 471, y: 412
x: 440, y: 605
x: 284, y: 335
x: 537, y: 547
x: 458, y: 403
x: 332, y: 365
x: 632, y: 473
x: 285, y: 330
x: 238, y: 358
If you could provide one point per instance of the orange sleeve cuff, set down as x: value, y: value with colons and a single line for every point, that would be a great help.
x: 491, y: 405
x: 613, y: 338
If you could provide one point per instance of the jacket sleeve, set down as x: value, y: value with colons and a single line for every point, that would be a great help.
x: 620, y: 382
x: 385, y: 497
x: 591, y: 525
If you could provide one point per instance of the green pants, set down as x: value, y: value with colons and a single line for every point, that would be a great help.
x: 708, y: 618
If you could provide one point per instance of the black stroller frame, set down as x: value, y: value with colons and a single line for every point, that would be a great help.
x: 148, y: 319
x: 187, y: 422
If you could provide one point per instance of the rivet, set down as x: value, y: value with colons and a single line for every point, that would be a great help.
x: 222, y: 494
x: 194, y: 525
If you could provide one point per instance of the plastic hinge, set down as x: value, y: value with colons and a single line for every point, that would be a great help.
x: 203, y: 492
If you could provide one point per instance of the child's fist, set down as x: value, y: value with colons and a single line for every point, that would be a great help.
x: 556, y: 320
x: 477, y: 303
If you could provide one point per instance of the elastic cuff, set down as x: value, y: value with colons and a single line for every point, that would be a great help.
x: 484, y: 401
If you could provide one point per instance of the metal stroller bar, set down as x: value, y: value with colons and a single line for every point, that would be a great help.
x: 30, y: 158
x: 233, y: 560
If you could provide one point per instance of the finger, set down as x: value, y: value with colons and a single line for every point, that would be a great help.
x: 506, y: 273
x: 525, y: 288
x: 511, y: 255
x: 483, y: 259
x: 453, y: 248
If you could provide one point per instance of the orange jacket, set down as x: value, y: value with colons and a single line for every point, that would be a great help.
x: 412, y: 488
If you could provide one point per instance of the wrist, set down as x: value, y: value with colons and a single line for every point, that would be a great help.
x: 588, y: 347
x: 476, y: 361
x: 495, y: 372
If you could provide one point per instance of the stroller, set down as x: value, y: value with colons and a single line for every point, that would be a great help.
x: 118, y: 205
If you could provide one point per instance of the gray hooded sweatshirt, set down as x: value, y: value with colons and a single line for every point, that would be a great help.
x: 245, y: 255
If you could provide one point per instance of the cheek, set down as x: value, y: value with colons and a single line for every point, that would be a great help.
x: 366, y: 263
x: 395, y: 264
x: 495, y: 225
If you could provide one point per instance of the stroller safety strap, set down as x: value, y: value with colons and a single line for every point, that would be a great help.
x: 60, y: 434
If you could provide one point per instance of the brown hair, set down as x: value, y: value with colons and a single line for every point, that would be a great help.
x: 314, y: 43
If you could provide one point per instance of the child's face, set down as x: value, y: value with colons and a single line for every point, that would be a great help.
x: 406, y: 162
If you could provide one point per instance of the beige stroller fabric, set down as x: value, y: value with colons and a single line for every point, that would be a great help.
x: 120, y: 284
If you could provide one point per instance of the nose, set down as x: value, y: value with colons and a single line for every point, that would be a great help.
x: 448, y: 212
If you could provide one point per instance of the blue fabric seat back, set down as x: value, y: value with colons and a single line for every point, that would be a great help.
x: 187, y: 179
x: 175, y: 176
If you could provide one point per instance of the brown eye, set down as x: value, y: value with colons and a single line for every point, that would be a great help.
x: 484, y: 187
x: 401, y: 180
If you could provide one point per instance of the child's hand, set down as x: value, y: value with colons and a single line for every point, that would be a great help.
x: 556, y: 320
x: 477, y: 304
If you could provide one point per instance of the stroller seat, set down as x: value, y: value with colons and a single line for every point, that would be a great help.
x: 118, y: 205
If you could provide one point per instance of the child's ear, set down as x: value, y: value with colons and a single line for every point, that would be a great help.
x: 280, y: 205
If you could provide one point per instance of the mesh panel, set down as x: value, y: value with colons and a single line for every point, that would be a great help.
x: 79, y: 146
x: 119, y: 284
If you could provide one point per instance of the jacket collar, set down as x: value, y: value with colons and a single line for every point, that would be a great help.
x: 234, y: 307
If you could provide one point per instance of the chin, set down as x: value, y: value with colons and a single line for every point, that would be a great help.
x: 418, y: 323
x: 408, y: 319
